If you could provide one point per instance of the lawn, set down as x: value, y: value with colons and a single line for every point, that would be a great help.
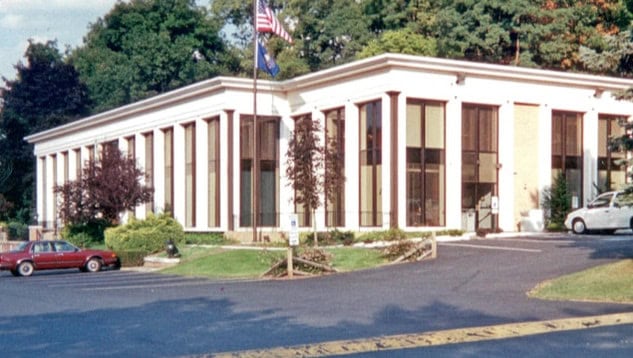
x: 246, y: 263
x: 606, y: 283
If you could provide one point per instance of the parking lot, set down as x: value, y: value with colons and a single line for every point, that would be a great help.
x: 131, y: 313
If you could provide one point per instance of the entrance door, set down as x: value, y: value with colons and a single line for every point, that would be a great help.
x: 479, y: 165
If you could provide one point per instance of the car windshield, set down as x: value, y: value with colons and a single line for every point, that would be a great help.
x: 20, y: 247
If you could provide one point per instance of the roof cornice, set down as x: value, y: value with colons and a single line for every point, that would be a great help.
x: 382, y: 62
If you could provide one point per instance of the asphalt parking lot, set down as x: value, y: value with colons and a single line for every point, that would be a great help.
x: 127, y: 313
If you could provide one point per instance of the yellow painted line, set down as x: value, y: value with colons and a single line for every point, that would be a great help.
x: 452, y: 336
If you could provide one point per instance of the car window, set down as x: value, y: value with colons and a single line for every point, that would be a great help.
x: 20, y: 247
x: 42, y: 247
x: 63, y: 246
x: 602, y: 201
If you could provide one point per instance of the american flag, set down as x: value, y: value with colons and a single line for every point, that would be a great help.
x: 267, y: 22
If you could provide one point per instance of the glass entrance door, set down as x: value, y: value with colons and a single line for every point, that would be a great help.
x: 479, y: 166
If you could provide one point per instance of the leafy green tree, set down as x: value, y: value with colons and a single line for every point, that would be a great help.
x: 557, y: 202
x: 146, y: 47
x: 46, y: 93
x: 400, y: 41
x: 106, y: 188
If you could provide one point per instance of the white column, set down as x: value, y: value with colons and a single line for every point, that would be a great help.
x: 352, y: 166
x: 385, y: 162
x: 139, y: 149
x: 159, y: 171
x: 286, y: 198
x: 39, y: 192
x: 179, y: 173
x: 454, y: 164
x: 590, y: 155
x: 506, y: 170
x: 50, y: 197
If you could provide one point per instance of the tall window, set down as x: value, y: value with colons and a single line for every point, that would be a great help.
x: 131, y: 147
x: 190, y: 175
x: 169, y: 170
x: 425, y: 163
x: 371, y: 164
x: 611, y: 173
x: 149, y: 167
x: 567, y: 155
x: 214, y: 171
x: 479, y: 163
x: 78, y: 163
x: 267, y: 185
x: 335, y: 131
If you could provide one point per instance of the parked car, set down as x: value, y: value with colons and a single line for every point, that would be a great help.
x: 44, y: 255
x: 607, y: 213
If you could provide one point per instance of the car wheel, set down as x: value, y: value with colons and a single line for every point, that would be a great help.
x: 26, y: 269
x: 15, y: 273
x: 578, y: 226
x: 93, y: 265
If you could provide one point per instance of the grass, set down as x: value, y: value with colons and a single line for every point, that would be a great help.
x: 219, y: 263
x: 606, y: 283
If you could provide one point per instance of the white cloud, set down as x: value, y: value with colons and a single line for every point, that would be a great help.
x: 11, y: 21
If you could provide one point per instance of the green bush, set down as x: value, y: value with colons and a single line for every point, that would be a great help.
x: 93, y: 230
x: 81, y: 239
x: 18, y: 231
x: 207, y: 238
x: 131, y: 258
x: 334, y: 237
x: 147, y: 235
x: 388, y: 235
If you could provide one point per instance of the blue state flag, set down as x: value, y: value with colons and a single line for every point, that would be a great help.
x: 265, y: 62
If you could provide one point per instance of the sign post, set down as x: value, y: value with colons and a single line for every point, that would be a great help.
x: 293, y: 240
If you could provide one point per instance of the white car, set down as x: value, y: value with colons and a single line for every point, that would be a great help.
x: 608, y: 212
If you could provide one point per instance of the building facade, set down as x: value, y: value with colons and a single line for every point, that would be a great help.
x: 426, y: 144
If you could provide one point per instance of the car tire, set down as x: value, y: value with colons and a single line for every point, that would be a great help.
x: 25, y: 269
x: 578, y: 227
x: 93, y: 265
x: 15, y: 273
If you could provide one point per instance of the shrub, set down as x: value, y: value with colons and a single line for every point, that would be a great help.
x: 333, y: 237
x: 393, y: 234
x: 93, y: 229
x: 18, y: 231
x: 557, y: 201
x: 147, y: 235
x: 206, y: 238
x: 81, y: 239
x: 131, y: 258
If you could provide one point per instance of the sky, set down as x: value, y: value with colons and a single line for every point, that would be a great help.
x: 66, y: 21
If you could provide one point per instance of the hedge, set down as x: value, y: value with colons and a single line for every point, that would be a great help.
x: 148, y: 235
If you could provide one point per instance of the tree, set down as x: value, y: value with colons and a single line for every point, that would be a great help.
x: 557, y: 202
x: 46, y: 93
x: 106, y: 188
x: 400, y: 41
x: 305, y: 163
x: 146, y: 47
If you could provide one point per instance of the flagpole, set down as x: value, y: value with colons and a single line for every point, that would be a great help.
x: 254, y: 201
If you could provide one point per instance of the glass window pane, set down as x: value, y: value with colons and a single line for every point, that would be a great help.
x: 414, y: 120
x: 434, y: 125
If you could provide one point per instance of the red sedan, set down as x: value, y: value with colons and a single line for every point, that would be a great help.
x: 45, y: 255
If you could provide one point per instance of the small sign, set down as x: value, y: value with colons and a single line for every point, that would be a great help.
x: 494, y: 204
x: 293, y: 233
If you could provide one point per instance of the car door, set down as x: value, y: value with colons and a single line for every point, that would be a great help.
x: 43, y: 255
x: 68, y: 255
x: 621, y: 213
x: 598, y: 211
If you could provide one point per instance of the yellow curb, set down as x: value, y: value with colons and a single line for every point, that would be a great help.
x: 426, y: 339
